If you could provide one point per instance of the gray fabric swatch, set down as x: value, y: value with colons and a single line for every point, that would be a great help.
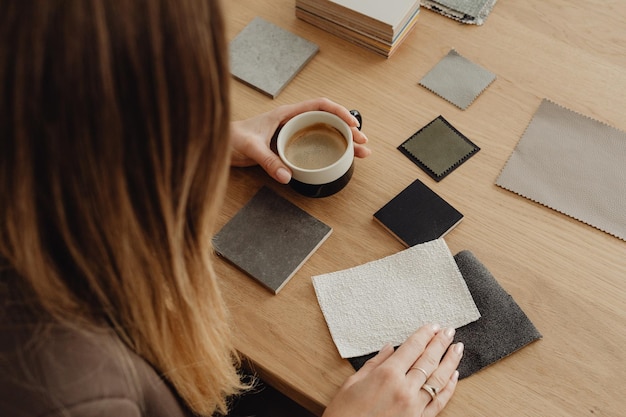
x: 465, y: 11
x: 457, y: 79
x: 267, y: 57
x: 502, y: 329
x: 270, y: 238
x: 572, y: 164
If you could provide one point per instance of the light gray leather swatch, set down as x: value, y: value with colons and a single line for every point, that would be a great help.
x: 572, y: 164
x: 465, y: 11
x: 457, y: 79
x: 267, y: 57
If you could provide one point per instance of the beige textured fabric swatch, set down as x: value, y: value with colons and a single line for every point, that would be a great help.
x: 572, y: 164
x: 386, y: 300
x: 457, y: 79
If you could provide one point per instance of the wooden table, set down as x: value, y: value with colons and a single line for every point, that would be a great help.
x: 568, y: 277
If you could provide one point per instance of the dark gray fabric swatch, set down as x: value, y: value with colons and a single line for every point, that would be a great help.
x: 502, y: 329
x: 438, y: 148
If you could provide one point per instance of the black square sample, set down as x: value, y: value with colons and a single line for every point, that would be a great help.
x: 417, y: 215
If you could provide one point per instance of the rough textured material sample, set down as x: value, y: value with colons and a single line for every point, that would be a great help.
x: 417, y: 215
x: 438, y: 148
x: 465, y: 11
x: 386, y: 300
x: 270, y: 238
x: 572, y: 164
x: 502, y: 329
x: 457, y: 79
x: 266, y: 57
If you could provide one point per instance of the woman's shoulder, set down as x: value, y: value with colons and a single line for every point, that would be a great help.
x: 49, y: 367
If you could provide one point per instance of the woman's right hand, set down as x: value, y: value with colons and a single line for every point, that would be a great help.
x: 391, y: 383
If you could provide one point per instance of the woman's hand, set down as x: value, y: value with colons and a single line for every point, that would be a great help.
x: 391, y: 383
x: 251, y: 138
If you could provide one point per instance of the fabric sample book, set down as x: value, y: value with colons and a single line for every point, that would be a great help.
x: 438, y: 148
x: 418, y: 215
x: 572, y: 164
x: 386, y: 300
x: 465, y: 11
x: 457, y: 79
x: 267, y: 57
x: 378, y: 26
x: 502, y: 329
x: 270, y: 239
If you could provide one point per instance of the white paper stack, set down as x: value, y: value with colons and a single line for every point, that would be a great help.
x: 379, y: 26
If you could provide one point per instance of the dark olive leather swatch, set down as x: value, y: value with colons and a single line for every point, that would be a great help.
x: 438, y: 148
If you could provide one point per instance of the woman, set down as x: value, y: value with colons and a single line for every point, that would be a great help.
x: 114, y: 156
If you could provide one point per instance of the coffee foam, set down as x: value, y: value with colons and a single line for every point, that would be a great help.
x: 315, y: 146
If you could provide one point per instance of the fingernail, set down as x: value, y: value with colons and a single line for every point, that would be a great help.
x: 435, y: 327
x: 455, y: 376
x: 357, y: 121
x: 458, y: 348
x: 449, y: 332
x: 283, y: 175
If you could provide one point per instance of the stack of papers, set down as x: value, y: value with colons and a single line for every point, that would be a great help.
x: 376, y: 25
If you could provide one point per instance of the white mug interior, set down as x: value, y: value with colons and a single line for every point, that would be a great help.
x: 325, y: 174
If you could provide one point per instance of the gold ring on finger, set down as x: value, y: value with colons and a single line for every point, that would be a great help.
x: 417, y: 368
x: 432, y: 391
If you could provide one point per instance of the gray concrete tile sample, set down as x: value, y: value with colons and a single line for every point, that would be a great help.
x: 267, y: 57
x: 270, y: 238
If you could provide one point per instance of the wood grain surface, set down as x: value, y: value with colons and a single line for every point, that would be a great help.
x: 568, y: 277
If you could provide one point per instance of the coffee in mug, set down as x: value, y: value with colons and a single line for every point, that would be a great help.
x: 317, y: 147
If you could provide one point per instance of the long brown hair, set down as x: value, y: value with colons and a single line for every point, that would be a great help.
x: 113, y: 158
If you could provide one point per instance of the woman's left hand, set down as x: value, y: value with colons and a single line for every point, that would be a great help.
x: 251, y: 138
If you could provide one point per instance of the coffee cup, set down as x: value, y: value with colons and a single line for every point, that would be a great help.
x: 317, y: 146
